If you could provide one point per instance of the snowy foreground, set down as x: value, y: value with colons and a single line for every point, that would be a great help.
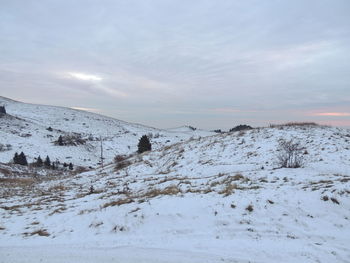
x: 220, y: 198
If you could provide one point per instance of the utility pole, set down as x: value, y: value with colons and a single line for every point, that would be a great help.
x: 101, y: 152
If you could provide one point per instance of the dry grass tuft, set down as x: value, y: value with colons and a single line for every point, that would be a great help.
x: 96, y: 224
x: 86, y: 211
x: 12, y: 208
x: 58, y: 211
x: 40, y: 232
x: 6, y: 172
x: 17, y: 181
x: 57, y: 188
x: 170, y: 190
x: 294, y: 124
x: 118, y: 202
x: 81, y: 169
x: 229, y: 189
x: 237, y: 176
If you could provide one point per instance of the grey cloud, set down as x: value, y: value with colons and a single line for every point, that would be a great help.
x: 186, y: 57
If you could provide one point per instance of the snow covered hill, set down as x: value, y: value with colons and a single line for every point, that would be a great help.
x: 33, y: 129
x: 221, y: 198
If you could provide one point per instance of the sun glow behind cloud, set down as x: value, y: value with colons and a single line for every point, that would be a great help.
x: 334, y: 114
x: 87, y: 109
x: 84, y: 76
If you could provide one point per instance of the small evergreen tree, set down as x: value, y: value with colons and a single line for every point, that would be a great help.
x: 15, y: 158
x: 70, y: 166
x: 22, y: 159
x: 60, y: 141
x: 47, y: 162
x: 39, y: 162
x: 2, y: 109
x: 144, y: 144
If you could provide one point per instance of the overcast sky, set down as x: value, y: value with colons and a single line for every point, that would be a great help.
x: 207, y: 63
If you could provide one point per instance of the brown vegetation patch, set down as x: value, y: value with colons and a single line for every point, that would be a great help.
x: 237, y: 177
x: 40, y: 232
x: 170, y: 190
x: 57, y: 188
x: 229, y: 189
x: 81, y: 169
x: 17, y: 181
x: 11, y: 208
x: 118, y: 202
x: 58, y: 210
x: 5, y: 172
x: 294, y: 124
x: 86, y: 211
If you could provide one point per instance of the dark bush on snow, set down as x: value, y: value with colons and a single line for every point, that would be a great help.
x: 241, y: 128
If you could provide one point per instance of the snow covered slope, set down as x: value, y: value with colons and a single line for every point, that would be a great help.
x: 26, y: 128
x: 221, y: 198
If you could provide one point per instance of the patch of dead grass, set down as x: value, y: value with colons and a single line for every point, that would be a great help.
x: 228, y: 189
x: 118, y: 202
x: 170, y: 190
x: 17, y: 181
x: 40, y: 232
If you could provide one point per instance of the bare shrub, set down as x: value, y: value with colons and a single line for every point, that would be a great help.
x: 117, y: 228
x: 249, y: 208
x: 290, y: 154
x: 121, y: 162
